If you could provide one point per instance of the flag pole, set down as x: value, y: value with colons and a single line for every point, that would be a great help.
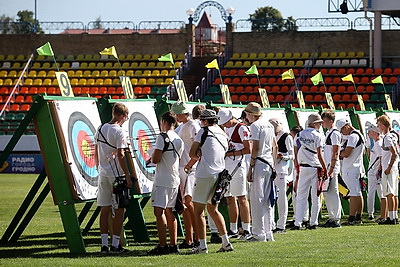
x: 120, y: 67
x: 295, y: 84
x: 259, y: 83
x: 54, y: 58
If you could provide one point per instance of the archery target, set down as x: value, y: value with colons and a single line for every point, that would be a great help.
x: 366, y: 120
x: 143, y: 130
x: 278, y: 114
x: 81, y: 140
x: 79, y: 120
x: 394, y: 120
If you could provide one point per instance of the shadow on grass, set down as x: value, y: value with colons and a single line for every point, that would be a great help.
x: 41, y: 246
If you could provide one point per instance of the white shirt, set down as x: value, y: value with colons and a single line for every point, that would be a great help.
x: 262, y: 131
x: 354, y: 162
x: 108, y: 158
x: 311, y: 139
x: 244, y: 134
x: 187, y: 132
x: 167, y: 170
x: 282, y: 165
x: 335, y: 137
x: 390, y: 139
x: 212, y: 159
x: 374, y: 153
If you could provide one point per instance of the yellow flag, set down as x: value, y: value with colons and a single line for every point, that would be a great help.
x: 288, y: 75
x: 111, y: 51
x: 348, y: 78
x: 213, y: 65
x: 377, y: 80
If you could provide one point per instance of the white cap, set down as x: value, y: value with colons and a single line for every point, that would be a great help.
x: 372, y: 127
x: 342, y: 122
x: 224, y: 115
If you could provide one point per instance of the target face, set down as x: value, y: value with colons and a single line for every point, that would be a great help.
x: 143, y: 138
x: 79, y: 120
x: 81, y: 140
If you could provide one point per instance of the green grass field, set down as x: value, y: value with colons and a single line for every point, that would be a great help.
x: 43, y: 242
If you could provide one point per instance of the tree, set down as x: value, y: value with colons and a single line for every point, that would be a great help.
x: 6, y: 26
x: 25, y: 17
x: 270, y: 19
x: 24, y: 24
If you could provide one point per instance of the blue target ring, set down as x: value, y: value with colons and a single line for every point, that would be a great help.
x: 143, y: 138
x: 81, y: 141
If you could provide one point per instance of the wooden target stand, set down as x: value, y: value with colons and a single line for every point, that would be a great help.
x: 59, y: 183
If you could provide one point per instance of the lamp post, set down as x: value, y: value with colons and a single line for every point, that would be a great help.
x: 190, y: 13
x: 230, y: 11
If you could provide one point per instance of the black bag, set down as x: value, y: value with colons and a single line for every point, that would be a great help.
x: 122, y: 192
x: 221, y: 188
x: 179, y: 205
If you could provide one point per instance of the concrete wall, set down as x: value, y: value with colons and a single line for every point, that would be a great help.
x: 75, y: 44
x: 329, y: 41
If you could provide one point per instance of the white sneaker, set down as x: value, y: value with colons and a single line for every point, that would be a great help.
x: 198, y: 250
x: 226, y: 248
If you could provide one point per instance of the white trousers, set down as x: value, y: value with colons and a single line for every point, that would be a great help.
x: 307, y: 179
x: 282, y: 203
x: 261, y: 211
x: 374, y: 186
x: 332, y: 199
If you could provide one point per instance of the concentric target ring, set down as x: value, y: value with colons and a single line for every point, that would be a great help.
x: 81, y: 141
x: 143, y: 138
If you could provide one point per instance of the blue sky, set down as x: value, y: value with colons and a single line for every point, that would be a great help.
x: 136, y: 11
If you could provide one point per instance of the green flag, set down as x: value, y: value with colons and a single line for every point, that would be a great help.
x: 377, y: 80
x: 45, y: 50
x: 317, y: 78
x: 167, y: 57
x: 252, y: 70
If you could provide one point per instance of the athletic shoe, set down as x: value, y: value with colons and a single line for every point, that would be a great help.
x: 118, y: 250
x: 271, y: 238
x: 379, y: 220
x: 215, y: 238
x: 388, y: 221
x: 349, y: 222
x: 371, y: 217
x: 296, y: 228
x: 396, y: 220
x: 226, y: 248
x: 328, y: 223
x: 358, y: 222
x: 245, y: 235
x: 312, y: 227
x: 279, y: 231
x: 104, y: 250
x: 185, y: 245
x: 335, y: 224
x: 198, y: 250
x: 173, y: 249
x: 305, y: 224
x: 254, y: 239
x: 232, y: 234
x: 159, y: 250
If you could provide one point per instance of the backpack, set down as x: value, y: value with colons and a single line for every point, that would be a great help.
x: 168, y: 142
x: 235, y: 138
x: 282, y: 143
x: 328, y: 140
x: 359, y: 142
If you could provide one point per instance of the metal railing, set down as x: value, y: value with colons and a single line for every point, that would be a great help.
x: 322, y: 22
x: 49, y: 26
x: 152, y: 25
x: 111, y: 25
